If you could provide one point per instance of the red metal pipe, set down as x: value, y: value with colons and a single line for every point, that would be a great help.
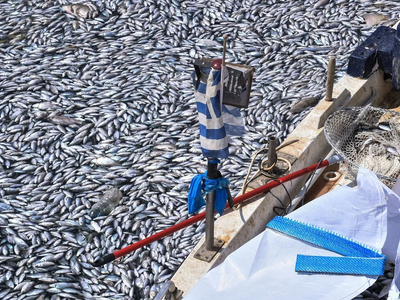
x: 262, y: 189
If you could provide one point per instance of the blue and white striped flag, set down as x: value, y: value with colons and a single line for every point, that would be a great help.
x: 217, y: 121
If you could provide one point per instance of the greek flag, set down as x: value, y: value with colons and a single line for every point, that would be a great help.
x: 217, y: 121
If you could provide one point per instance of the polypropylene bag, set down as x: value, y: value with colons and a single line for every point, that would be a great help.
x: 264, y: 268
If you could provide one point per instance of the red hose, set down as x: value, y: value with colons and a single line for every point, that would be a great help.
x: 239, y: 199
x: 262, y: 189
x: 160, y: 235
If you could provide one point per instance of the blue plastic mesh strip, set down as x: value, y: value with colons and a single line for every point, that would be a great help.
x: 340, y: 265
x: 321, y: 237
x: 370, y: 262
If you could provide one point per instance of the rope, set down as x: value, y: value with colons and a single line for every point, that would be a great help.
x: 249, y: 170
x: 246, y: 180
x: 270, y: 167
x: 359, y: 259
x: 285, y: 210
x: 263, y: 162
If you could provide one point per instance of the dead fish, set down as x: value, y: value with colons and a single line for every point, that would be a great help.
x: 84, y: 10
x: 105, y: 161
x: 40, y: 114
x: 393, y: 151
x: 75, y: 25
x: 165, y: 147
x: 374, y: 19
x: 45, y: 105
x: 303, y: 104
x: 62, y: 120
x: 208, y: 43
x: 112, y: 195
x: 384, y: 126
x: 366, y: 143
x: 321, y: 3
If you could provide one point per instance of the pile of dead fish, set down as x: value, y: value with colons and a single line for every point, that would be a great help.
x: 99, y: 95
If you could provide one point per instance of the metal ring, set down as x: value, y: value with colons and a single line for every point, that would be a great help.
x: 331, y: 175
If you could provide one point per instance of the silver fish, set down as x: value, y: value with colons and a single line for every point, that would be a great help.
x: 85, y: 10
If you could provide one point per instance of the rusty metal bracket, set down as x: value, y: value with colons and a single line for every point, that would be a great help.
x: 207, y: 255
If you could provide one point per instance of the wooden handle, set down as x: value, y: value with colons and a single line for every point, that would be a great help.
x: 225, y: 37
x: 330, y: 78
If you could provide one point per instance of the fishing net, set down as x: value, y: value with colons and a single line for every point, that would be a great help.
x: 368, y: 137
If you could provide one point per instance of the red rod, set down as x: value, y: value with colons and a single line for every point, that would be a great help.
x: 262, y: 189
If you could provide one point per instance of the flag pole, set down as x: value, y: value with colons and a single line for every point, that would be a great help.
x: 212, y: 173
x: 225, y: 37
x: 212, y: 245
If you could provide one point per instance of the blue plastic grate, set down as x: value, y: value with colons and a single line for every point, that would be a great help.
x: 359, y: 259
